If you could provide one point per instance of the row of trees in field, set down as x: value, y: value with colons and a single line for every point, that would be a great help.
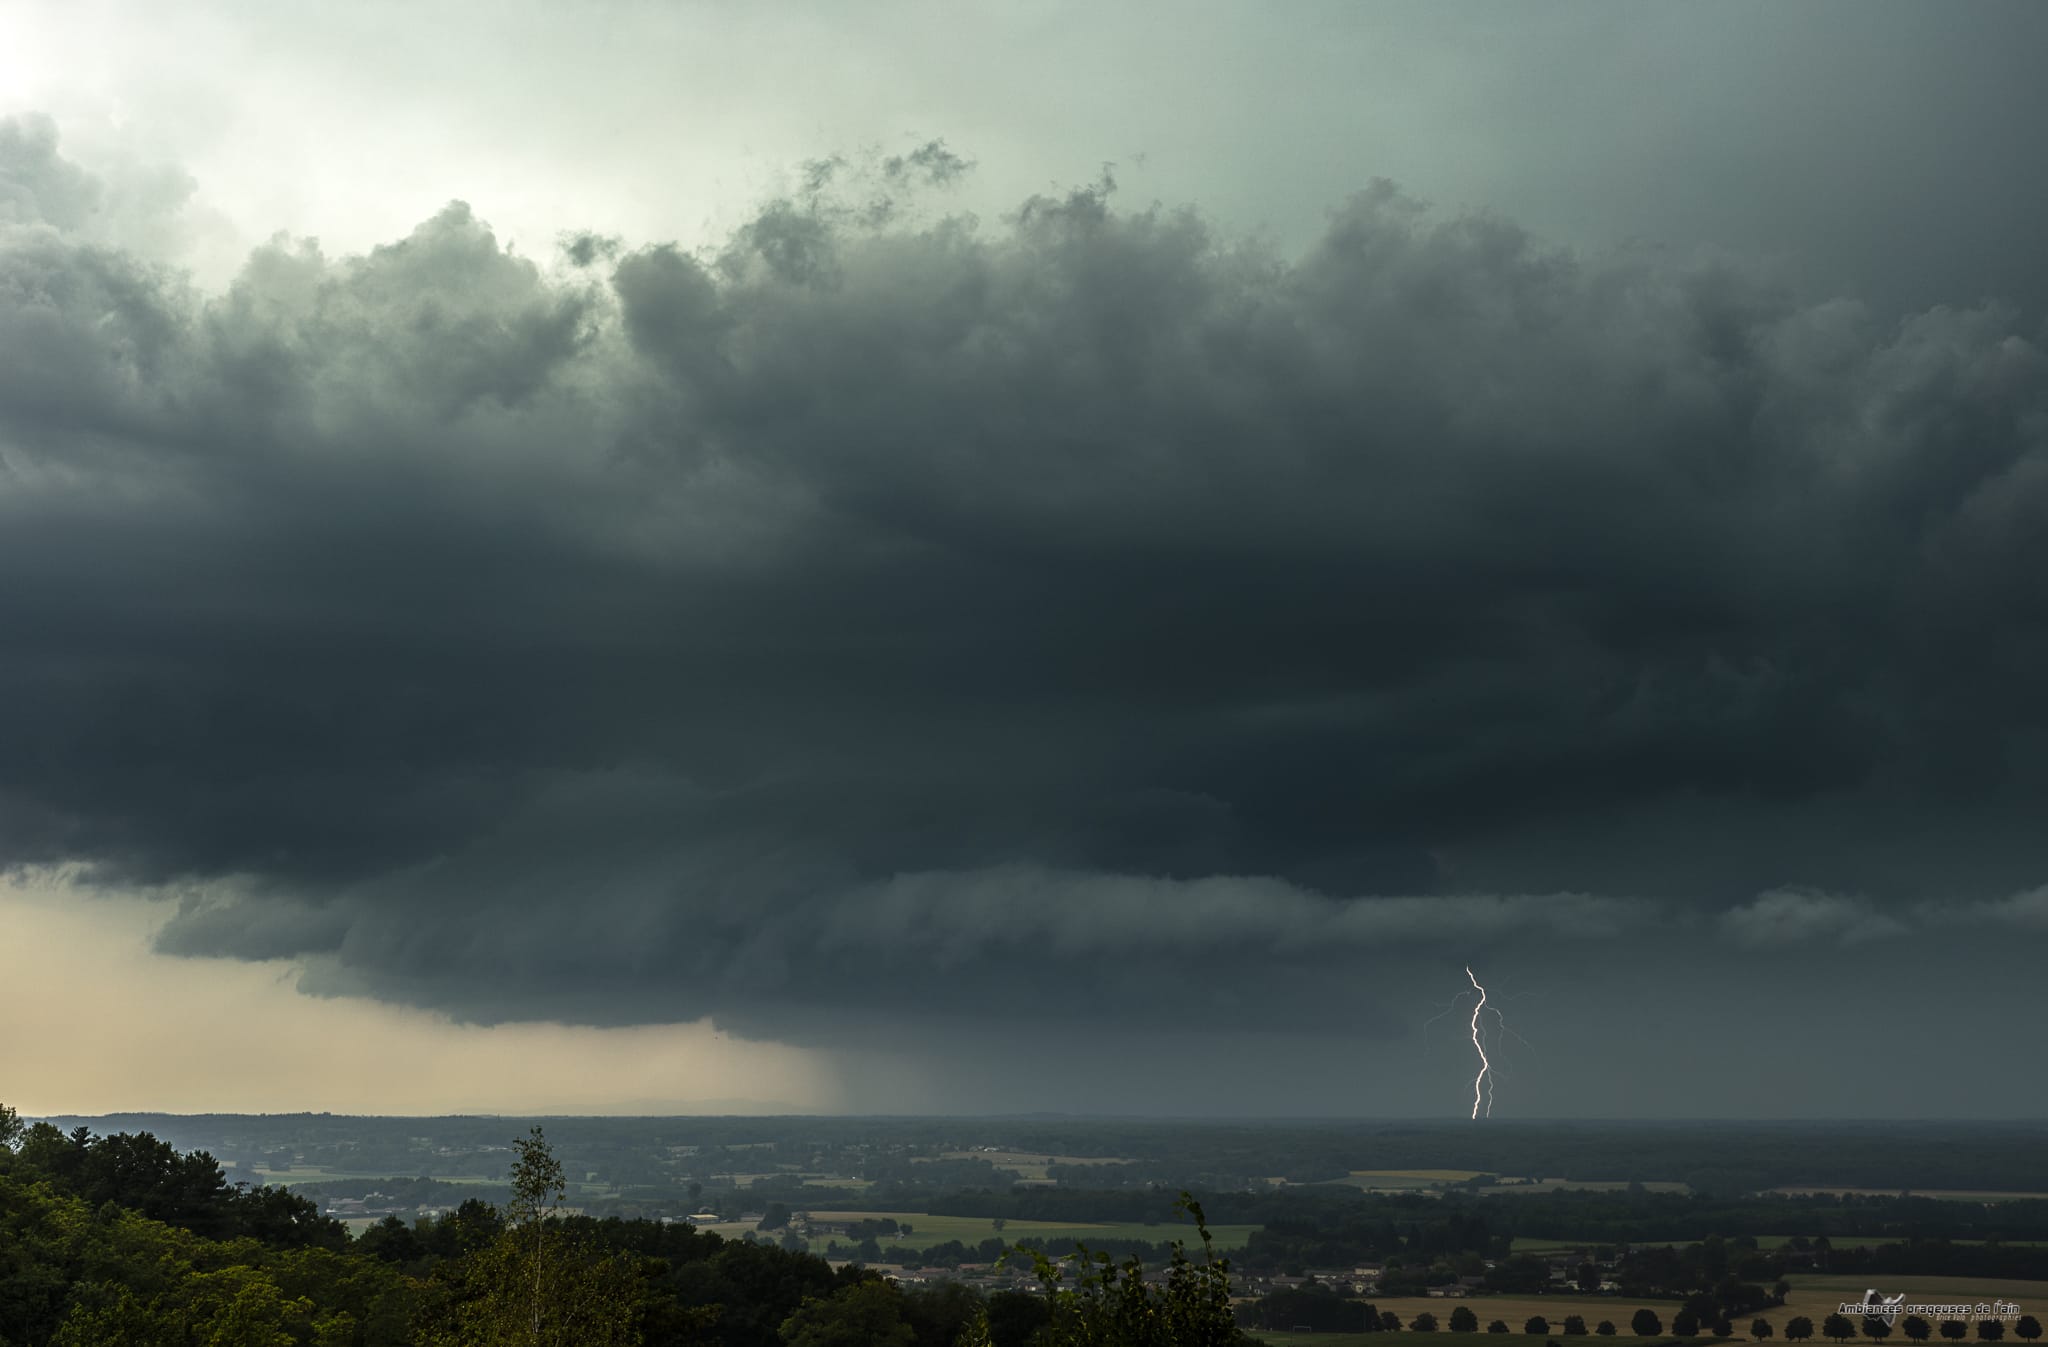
x: 1840, y: 1328
x: 1464, y: 1319
x: 1646, y: 1323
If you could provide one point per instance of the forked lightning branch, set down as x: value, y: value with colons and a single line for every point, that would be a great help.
x: 1479, y: 1026
x: 1485, y: 1076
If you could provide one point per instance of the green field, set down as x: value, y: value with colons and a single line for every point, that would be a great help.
x: 1031, y: 1164
x: 289, y: 1178
x: 1581, y: 1185
x: 925, y: 1231
x: 1402, y: 1180
x: 1434, y: 1175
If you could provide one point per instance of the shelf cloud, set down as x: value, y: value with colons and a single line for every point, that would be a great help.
x: 894, y: 608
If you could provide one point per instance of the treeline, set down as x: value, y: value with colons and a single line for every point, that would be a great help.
x: 1722, y: 1159
x: 81, y: 1265
x: 1155, y: 1206
x: 1327, y: 1225
x: 77, y: 1275
x: 1451, y: 1242
x: 1634, y: 1216
x: 146, y: 1176
x: 123, y: 1239
x: 1429, y: 1241
x: 1940, y: 1258
x: 1718, y: 1159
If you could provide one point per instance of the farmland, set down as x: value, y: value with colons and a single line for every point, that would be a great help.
x: 1451, y: 1339
x: 927, y: 1230
x: 1436, y: 1180
x: 1442, y: 1339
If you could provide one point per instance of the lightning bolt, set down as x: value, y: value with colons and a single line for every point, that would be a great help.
x: 1485, y: 1076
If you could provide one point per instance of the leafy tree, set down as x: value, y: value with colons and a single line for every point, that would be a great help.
x: 1875, y: 1328
x: 1424, y: 1322
x: 1915, y: 1328
x: 469, y: 1227
x: 2027, y: 1327
x: 1105, y: 1303
x: 1605, y: 1328
x: 939, y: 1314
x: 1524, y: 1273
x: 249, y: 1311
x: 1013, y: 1316
x: 1497, y: 1326
x: 537, y: 1189
x: 10, y: 1128
x: 583, y: 1300
x: 975, y: 1334
x: 143, y: 1174
x: 1991, y: 1330
x: 1575, y: 1324
x: 1645, y: 1324
x: 1798, y: 1328
x: 865, y: 1314
x: 1536, y: 1325
x: 1588, y: 1277
x: 1760, y: 1329
x: 1463, y: 1320
x: 1837, y: 1326
x: 110, y: 1313
x: 391, y: 1240
x: 1955, y: 1330
x: 527, y: 1283
x: 1685, y: 1324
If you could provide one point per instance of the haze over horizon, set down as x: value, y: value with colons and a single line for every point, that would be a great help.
x: 1010, y: 559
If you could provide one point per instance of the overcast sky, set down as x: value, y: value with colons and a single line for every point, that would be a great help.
x: 983, y: 558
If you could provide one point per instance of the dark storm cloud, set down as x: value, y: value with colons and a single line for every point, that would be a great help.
x: 904, y: 612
